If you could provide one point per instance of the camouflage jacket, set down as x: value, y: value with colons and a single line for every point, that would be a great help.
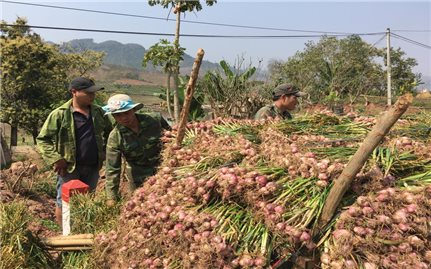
x: 56, y: 139
x: 273, y: 112
x: 140, y: 150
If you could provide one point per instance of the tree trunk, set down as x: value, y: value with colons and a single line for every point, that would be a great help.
x: 34, y: 135
x: 13, y: 136
x: 342, y: 183
x: 177, y: 68
x: 176, y: 98
x: 168, y: 96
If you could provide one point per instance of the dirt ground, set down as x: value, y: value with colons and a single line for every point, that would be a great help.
x: 29, y: 153
x: 40, y: 205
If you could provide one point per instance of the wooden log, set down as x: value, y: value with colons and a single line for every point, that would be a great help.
x: 49, y: 242
x: 188, y: 95
x: 342, y: 183
x: 73, y: 236
x: 75, y: 248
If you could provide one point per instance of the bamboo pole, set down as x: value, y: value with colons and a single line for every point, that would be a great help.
x: 188, y: 95
x: 342, y: 183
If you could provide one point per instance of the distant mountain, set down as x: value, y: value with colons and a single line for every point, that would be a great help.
x: 127, y: 55
x: 427, y: 83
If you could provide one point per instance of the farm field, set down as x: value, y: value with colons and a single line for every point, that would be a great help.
x: 283, y: 157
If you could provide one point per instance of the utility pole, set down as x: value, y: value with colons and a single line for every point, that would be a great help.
x: 388, y: 64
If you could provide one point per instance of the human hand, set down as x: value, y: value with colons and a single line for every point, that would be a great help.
x: 110, y: 203
x: 60, y: 167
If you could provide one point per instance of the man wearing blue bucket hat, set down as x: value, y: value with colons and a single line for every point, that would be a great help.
x: 136, y: 137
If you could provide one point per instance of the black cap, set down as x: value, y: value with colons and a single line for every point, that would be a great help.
x: 287, y: 89
x: 85, y: 84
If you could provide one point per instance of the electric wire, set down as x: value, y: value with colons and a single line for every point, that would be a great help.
x: 411, y: 41
x: 327, y: 33
x: 183, y: 35
x: 411, y: 31
x: 186, y: 21
x: 378, y: 41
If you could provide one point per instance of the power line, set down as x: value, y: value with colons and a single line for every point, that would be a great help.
x: 381, y: 38
x: 411, y: 41
x: 411, y: 31
x: 186, y: 21
x: 183, y: 35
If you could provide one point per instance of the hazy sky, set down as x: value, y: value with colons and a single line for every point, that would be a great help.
x: 408, y: 19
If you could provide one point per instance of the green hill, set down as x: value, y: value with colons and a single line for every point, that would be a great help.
x: 127, y: 55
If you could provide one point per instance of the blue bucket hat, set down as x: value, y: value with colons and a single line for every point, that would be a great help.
x: 120, y: 103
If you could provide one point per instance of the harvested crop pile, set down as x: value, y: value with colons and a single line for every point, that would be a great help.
x: 389, y: 229
x: 240, y: 194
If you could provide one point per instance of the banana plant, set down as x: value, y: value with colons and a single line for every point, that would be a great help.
x: 228, y: 92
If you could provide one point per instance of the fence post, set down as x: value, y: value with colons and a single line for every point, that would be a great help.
x: 69, y: 189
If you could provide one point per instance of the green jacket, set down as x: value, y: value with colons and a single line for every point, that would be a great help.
x: 56, y: 139
x: 273, y: 112
x: 141, y: 152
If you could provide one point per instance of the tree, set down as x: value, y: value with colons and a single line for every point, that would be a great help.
x: 403, y: 78
x: 163, y: 54
x: 343, y: 68
x: 25, y: 63
x: 34, y: 77
x: 179, y: 7
x: 80, y: 62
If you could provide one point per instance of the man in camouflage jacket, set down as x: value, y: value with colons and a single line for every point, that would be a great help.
x: 285, y: 99
x: 136, y: 137
x: 73, y: 138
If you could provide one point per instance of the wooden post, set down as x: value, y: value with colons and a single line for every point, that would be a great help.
x: 342, y: 183
x: 188, y: 95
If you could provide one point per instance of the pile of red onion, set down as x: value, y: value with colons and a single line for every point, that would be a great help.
x: 389, y: 229
x: 164, y: 224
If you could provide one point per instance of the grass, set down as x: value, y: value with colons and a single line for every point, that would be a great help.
x: 19, y: 157
x: 50, y: 225
x: 19, y: 248
x: 90, y: 214
x: 135, y: 89
x: 381, y: 101
x: 76, y: 259
x: 147, y: 95
x: 47, y: 187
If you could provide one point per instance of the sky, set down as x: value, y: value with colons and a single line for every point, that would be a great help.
x: 298, y: 22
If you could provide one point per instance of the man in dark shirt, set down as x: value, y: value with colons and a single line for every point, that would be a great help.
x: 86, y: 146
x: 73, y: 138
